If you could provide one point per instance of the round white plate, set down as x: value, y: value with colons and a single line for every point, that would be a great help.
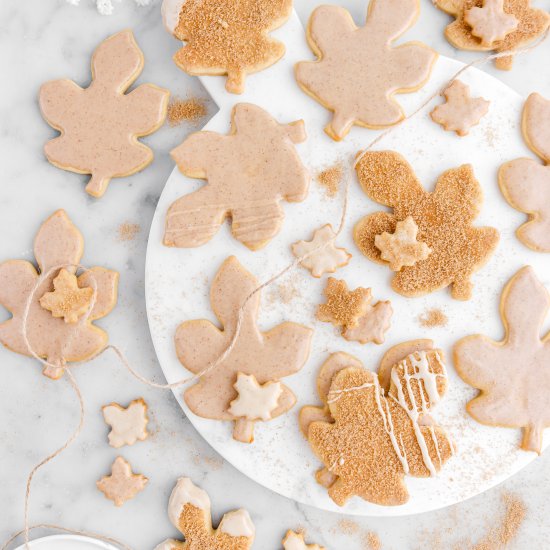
x: 67, y: 542
x: 178, y: 282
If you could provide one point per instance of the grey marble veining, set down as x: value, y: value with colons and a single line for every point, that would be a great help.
x: 48, y: 39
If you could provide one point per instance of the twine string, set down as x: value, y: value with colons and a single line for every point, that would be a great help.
x: 240, y: 316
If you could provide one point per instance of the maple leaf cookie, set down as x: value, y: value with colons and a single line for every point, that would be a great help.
x: 444, y: 219
x: 477, y: 22
x: 248, y: 172
x: 60, y: 325
x: 525, y: 183
x: 322, y: 254
x: 122, y: 484
x: 513, y: 375
x: 189, y: 510
x: 245, y: 387
x: 358, y: 70
x: 128, y: 425
x: 100, y: 124
x: 295, y: 541
x: 375, y: 429
x: 461, y: 111
x: 226, y: 38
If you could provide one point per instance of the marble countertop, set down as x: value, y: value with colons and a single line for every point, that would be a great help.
x: 46, y: 39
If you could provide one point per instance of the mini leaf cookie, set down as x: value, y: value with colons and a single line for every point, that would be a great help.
x: 255, y: 401
x: 67, y: 300
x: 189, y: 512
x: 249, y: 172
x: 128, y: 425
x: 490, y: 22
x: 100, y: 124
x: 513, y: 375
x: 58, y: 243
x: 461, y: 111
x: 324, y: 256
x: 525, y: 183
x: 295, y: 541
x: 532, y: 23
x: 358, y: 69
x: 369, y: 435
x: 226, y: 38
x: 401, y: 247
x: 122, y: 484
x: 444, y: 219
x: 372, y: 325
x: 269, y: 356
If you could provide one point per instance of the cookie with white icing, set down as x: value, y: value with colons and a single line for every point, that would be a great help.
x: 128, y: 425
x: 296, y: 541
x: 375, y: 429
x: 189, y: 511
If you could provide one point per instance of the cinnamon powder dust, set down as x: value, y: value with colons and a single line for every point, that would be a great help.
x: 185, y: 110
x: 330, y: 179
x: 433, y: 318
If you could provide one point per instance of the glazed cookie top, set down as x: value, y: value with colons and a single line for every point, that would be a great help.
x: 230, y: 38
x: 358, y: 70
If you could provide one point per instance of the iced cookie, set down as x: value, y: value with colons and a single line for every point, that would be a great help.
x: 358, y: 70
x: 122, y: 484
x: 461, y: 111
x: 128, y: 425
x: 59, y: 329
x: 100, y: 125
x: 226, y: 38
x: 371, y: 431
x: 248, y: 172
x: 352, y: 311
x: 512, y: 375
x: 444, y: 219
x: 236, y: 389
x: 189, y: 512
x: 525, y: 183
x: 295, y: 541
x: 531, y: 24
x: 323, y: 256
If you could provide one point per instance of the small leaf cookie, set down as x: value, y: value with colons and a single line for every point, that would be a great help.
x: 268, y: 356
x: 122, y: 484
x: 57, y: 243
x: 324, y: 256
x: 100, y: 124
x: 189, y: 511
x: 532, y: 24
x: 374, y: 430
x: 249, y: 172
x: 358, y: 70
x: 525, y: 183
x: 490, y: 22
x: 295, y: 541
x: 128, y: 425
x: 461, y: 111
x: 444, y: 218
x: 255, y: 401
x: 513, y: 375
x: 226, y: 38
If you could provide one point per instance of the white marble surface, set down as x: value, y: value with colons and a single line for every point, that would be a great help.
x: 45, y: 39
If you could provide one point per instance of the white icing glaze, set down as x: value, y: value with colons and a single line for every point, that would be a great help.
x: 128, y: 425
x: 168, y: 544
x: 237, y: 524
x: 171, y: 14
x: 255, y: 401
x: 185, y: 492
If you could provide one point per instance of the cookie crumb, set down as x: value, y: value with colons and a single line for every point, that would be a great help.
x: 433, y: 318
x: 372, y: 541
x: 185, y: 110
x: 331, y: 178
x: 128, y: 231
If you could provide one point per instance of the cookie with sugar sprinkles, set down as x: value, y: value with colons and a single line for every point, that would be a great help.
x: 224, y: 37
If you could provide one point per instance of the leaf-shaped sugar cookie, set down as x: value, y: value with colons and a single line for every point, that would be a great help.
x: 514, y: 374
x: 189, y: 510
x: 269, y: 356
x: 58, y: 243
x: 525, y: 183
x: 358, y: 69
x: 249, y: 173
x: 100, y: 124
x: 226, y: 38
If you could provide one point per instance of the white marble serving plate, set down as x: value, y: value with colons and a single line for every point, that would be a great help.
x: 178, y: 281
x: 67, y: 542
